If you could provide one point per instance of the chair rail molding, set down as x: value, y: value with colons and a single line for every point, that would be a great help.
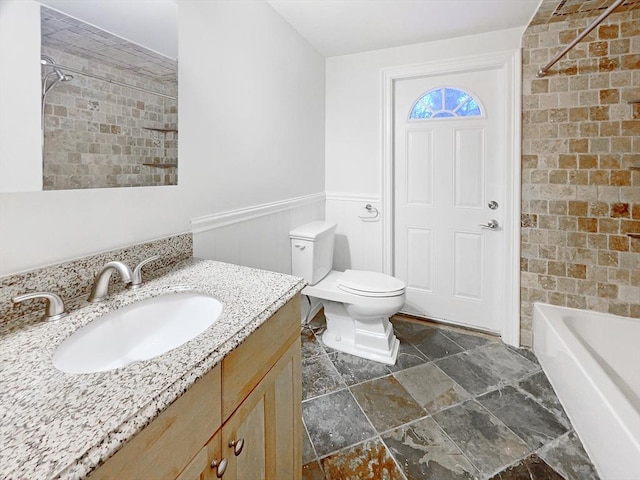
x: 352, y: 197
x: 222, y: 219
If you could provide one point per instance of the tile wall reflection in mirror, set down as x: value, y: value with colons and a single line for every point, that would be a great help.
x: 110, y: 109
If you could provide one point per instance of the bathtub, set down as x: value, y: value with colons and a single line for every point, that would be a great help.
x: 593, y: 362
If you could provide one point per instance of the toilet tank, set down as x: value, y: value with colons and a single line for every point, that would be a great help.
x: 312, y: 250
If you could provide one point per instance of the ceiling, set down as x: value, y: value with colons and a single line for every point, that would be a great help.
x: 341, y: 27
x: 70, y: 35
x: 333, y: 27
x: 551, y: 11
x: 153, y: 26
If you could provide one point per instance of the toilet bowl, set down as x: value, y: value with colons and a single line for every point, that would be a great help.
x: 357, y: 304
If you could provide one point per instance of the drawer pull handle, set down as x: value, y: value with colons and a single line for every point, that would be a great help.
x: 237, y: 446
x: 220, y: 466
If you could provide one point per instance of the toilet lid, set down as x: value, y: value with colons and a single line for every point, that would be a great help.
x: 370, y: 284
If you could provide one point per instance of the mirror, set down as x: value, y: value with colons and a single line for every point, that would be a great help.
x: 109, y: 107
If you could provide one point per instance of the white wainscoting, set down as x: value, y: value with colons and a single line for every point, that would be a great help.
x: 358, y: 240
x: 257, y: 236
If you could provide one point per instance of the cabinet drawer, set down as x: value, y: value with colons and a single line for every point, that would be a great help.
x: 244, y: 367
x: 168, y: 443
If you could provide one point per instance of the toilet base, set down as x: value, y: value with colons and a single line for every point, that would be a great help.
x: 370, y: 337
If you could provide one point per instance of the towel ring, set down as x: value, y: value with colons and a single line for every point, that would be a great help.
x: 371, y: 210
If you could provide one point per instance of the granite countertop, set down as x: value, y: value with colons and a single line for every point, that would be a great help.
x: 56, y: 425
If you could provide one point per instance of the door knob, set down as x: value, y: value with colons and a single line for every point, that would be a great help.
x: 491, y: 225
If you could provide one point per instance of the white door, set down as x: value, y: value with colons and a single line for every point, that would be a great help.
x: 449, y: 191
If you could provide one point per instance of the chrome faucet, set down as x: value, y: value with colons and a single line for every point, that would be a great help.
x: 54, y: 307
x: 136, y: 280
x: 101, y: 284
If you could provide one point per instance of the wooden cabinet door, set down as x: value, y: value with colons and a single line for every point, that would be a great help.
x: 284, y: 444
x: 206, y: 465
x: 163, y: 448
x: 248, y: 427
x: 269, y: 424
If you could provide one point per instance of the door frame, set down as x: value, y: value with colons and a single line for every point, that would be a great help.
x: 509, y: 63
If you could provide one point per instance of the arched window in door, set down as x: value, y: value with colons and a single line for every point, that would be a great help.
x: 445, y: 102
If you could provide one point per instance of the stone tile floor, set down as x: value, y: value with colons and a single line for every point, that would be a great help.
x: 457, y: 405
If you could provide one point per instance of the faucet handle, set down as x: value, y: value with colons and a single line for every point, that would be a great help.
x: 54, y: 307
x: 137, y: 271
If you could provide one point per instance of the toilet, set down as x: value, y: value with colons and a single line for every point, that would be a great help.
x: 357, y: 304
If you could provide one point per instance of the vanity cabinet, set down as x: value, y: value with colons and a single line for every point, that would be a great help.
x: 245, y: 415
x: 268, y: 421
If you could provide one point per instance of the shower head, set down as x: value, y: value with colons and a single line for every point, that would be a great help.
x: 47, y: 61
x: 59, y: 76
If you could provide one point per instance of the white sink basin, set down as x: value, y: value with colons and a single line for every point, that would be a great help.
x: 139, y: 331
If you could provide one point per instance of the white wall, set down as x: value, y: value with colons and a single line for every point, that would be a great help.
x: 251, y: 107
x: 353, y: 132
x: 20, y: 139
x: 359, y: 234
x: 254, y: 113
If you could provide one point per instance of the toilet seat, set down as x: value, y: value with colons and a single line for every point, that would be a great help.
x: 370, y: 284
x: 330, y: 288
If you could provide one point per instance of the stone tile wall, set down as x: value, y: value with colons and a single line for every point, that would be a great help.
x: 99, y: 134
x: 581, y: 163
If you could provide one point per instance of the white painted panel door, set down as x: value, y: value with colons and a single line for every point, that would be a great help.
x: 446, y: 171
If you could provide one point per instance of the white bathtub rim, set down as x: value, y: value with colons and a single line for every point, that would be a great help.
x: 624, y: 414
x: 593, y: 371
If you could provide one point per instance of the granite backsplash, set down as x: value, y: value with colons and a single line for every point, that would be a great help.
x: 74, y: 278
